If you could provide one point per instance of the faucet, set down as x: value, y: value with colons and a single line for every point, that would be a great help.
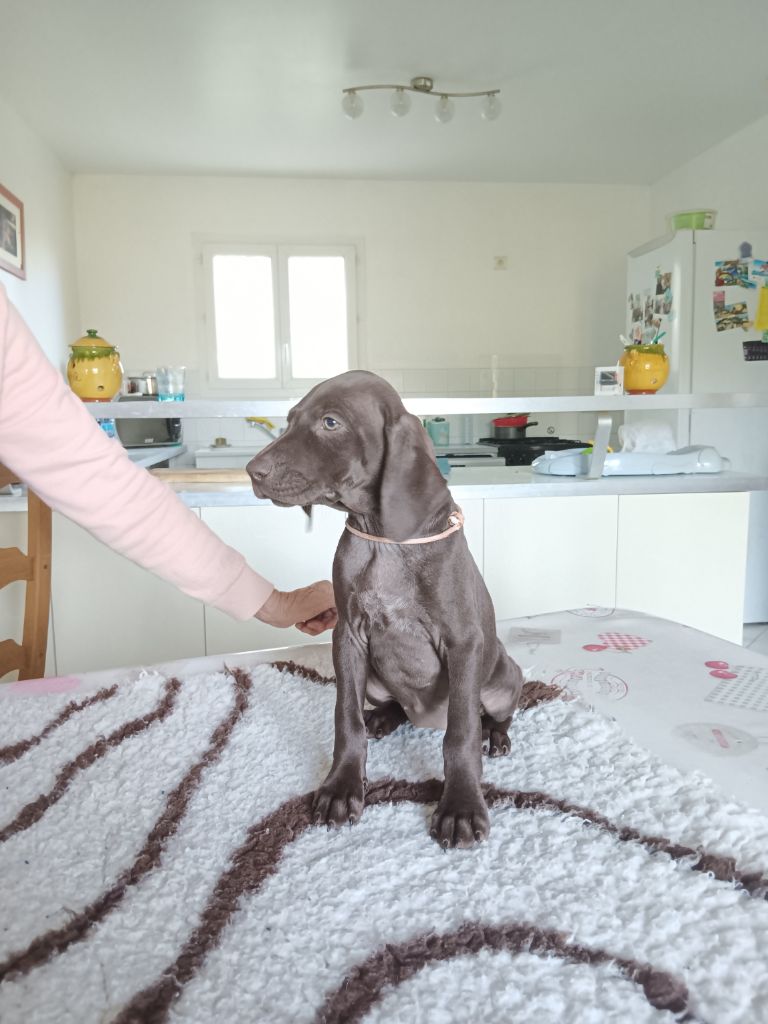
x: 263, y: 424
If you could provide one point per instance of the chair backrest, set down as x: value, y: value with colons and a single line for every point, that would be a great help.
x: 35, y: 568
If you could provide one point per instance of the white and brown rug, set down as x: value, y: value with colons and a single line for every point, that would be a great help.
x: 158, y: 862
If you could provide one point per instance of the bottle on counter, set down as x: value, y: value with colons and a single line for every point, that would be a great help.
x: 108, y: 425
x: 439, y: 429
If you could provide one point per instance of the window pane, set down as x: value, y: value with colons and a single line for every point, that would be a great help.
x: 245, y: 316
x: 317, y: 300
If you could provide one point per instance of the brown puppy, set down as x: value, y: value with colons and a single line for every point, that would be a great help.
x: 416, y: 633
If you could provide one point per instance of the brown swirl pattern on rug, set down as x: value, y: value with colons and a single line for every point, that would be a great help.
x: 364, y: 985
x: 33, y: 811
x: 242, y: 872
x: 259, y: 856
x: 57, y: 940
x: 15, y: 750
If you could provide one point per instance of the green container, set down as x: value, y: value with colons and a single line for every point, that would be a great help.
x: 698, y: 220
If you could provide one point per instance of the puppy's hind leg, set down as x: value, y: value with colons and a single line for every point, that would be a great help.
x: 383, y: 719
x: 495, y: 736
x: 501, y: 695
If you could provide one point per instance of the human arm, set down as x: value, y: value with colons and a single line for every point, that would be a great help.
x: 54, y: 445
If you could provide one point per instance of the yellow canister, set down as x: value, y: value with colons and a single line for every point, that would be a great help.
x: 94, y: 370
x: 646, y: 368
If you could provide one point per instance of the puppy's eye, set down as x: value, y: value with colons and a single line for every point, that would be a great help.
x: 329, y: 423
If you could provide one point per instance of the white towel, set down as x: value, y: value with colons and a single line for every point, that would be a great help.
x: 646, y: 437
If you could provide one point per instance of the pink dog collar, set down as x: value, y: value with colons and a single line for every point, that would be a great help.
x: 456, y: 519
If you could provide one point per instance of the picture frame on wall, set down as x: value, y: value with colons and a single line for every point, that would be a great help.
x: 12, y: 247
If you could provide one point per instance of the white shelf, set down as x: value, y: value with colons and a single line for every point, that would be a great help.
x: 206, y: 408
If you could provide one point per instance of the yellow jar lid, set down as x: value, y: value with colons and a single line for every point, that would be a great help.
x: 91, y: 339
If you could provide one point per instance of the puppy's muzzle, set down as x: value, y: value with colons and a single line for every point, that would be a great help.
x: 259, y: 470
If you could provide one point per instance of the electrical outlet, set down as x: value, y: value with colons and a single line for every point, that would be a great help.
x: 499, y: 262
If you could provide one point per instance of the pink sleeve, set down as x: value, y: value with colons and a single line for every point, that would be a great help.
x: 50, y: 440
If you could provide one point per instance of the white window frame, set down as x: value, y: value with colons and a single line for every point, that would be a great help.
x: 284, y: 384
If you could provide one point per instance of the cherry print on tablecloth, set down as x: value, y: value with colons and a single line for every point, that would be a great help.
x: 624, y: 643
x: 720, y: 670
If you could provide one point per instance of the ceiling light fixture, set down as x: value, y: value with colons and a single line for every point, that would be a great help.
x: 400, y: 104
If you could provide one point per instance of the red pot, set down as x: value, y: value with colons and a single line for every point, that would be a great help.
x: 512, y: 426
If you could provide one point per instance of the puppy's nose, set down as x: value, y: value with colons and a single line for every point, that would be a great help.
x: 259, y: 467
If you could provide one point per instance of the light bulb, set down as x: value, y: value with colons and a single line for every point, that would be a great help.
x: 400, y: 103
x: 491, y: 107
x: 444, y: 110
x: 352, y: 105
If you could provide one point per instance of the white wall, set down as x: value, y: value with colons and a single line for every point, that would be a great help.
x: 47, y: 299
x: 431, y: 299
x: 729, y: 178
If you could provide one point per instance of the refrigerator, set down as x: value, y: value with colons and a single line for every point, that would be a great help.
x: 700, y: 292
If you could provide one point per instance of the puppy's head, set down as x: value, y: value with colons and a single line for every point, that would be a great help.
x: 350, y: 444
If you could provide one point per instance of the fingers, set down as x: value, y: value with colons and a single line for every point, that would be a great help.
x: 317, y: 625
x: 304, y: 606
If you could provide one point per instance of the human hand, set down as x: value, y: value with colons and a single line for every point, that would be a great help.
x: 319, y: 623
x: 311, y: 609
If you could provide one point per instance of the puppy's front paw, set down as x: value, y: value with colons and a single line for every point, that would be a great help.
x: 339, y: 800
x: 460, y: 820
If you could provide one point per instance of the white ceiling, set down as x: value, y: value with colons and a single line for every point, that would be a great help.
x: 618, y: 91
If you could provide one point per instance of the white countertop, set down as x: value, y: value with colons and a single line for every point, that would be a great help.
x: 431, y: 405
x: 152, y: 456
x: 511, y: 482
x: 146, y: 457
x: 464, y: 484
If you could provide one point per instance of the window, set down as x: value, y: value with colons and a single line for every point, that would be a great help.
x: 278, y: 317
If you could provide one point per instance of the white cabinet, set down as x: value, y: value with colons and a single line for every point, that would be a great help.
x: 281, y: 544
x: 683, y: 557
x: 107, y: 612
x: 547, y: 554
x: 679, y: 556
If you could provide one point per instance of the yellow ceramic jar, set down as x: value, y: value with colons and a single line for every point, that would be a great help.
x: 646, y: 368
x: 94, y: 370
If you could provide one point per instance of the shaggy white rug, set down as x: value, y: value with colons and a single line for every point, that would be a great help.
x: 158, y: 862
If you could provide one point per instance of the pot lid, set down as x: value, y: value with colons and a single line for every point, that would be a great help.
x: 91, y: 339
x: 512, y: 419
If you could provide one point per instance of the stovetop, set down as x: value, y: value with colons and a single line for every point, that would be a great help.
x: 521, y: 451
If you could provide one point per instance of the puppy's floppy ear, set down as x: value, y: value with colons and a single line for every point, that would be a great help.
x: 411, y: 487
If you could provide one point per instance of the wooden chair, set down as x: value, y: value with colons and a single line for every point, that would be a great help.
x: 35, y: 568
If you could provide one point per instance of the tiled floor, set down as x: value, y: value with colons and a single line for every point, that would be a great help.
x: 756, y: 636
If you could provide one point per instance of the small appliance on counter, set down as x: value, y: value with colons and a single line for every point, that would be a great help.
x: 695, y: 459
x: 147, y: 433
x: 467, y: 456
x: 522, y: 451
x: 141, y: 383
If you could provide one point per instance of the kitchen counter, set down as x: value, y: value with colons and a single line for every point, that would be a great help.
x: 146, y: 457
x: 674, y: 546
x: 212, y: 408
x: 220, y: 488
x: 149, y: 457
x: 230, y: 487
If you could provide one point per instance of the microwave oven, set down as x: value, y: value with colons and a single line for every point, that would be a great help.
x: 147, y: 433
